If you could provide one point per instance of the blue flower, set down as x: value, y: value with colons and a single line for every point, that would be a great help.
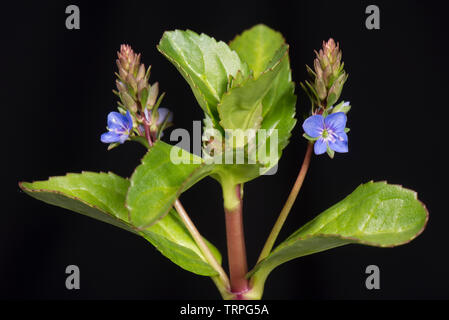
x: 119, y: 127
x: 164, y: 115
x: 329, y: 132
x: 162, y: 112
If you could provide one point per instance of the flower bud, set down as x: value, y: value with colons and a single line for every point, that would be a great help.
x: 317, y: 67
x: 128, y: 101
x: 152, y: 95
x: 335, y: 90
x: 320, y: 88
x: 127, y: 59
x: 120, y: 86
x: 158, y: 120
x: 141, y: 73
x: 343, y: 106
x: 328, y: 76
x: 133, y: 79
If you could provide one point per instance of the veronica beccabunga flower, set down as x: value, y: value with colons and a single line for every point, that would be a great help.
x: 120, y: 127
x: 140, y: 115
x: 158, y: 120
x: 328, y: 133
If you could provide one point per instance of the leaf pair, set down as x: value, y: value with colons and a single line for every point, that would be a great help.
x: 244, y: 86
x: 102, y: 196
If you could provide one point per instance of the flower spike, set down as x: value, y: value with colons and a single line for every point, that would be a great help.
x: 327, y: 77
x: 326, y: 125
x: 139, y: 116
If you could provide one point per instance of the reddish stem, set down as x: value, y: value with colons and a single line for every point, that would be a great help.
x: 147, y: 132
x: 236, y: 248
x: 288, y: 204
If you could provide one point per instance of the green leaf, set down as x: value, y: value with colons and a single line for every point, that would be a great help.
x: 342, y: 107
x: 102, y: 196
x: 257, y: 102
x: 305, y: 135
x: 330, y: 152
x: 172, y: 239
x: 159, y: 180
x: 278, y: 111
x: 98, y: 195
x: 204, y: 63
x: 375, y: 214
x: 279, y: 105
x: 241, y: 107
x: 257, y: 47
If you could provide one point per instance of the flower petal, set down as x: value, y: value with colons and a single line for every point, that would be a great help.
x: 147, y: 114
x: 336, y: 121
x: 340, y: 144
x: 129, y: 121
x: 163, y: 113
x: 314, y: 125
x: 123, y: 138
x: 110, y: 137
x: 320, y: 146
x: 117, y: 121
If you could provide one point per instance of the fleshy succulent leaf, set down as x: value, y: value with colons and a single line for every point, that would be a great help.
x: 276, y: 111
x: 158, y: 181
x: 102, y: 196
x: 375, y: 214
x: 97, y: 195
x: 206, y: 64
x: 241, y: 107
x: 172, y: 239
x: 279, y: 105
x: 257, y: 47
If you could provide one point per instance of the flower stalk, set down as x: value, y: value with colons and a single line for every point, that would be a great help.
x: 221, y: 280
x: 288, y: 205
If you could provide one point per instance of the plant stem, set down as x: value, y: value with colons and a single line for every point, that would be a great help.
x: 147, y: 132
x: 236, y: 243
x: 288, y: 205
x: 221, y: 281
x: 201, y: 243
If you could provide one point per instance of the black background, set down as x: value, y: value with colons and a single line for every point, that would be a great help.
x: 56, y: 94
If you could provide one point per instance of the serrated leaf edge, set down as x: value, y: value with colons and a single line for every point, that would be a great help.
x: 249, y: 29
x: 212, y: 116
x: 251, y: 78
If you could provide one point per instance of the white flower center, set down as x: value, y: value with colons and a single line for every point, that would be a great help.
x: 329, y: 135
